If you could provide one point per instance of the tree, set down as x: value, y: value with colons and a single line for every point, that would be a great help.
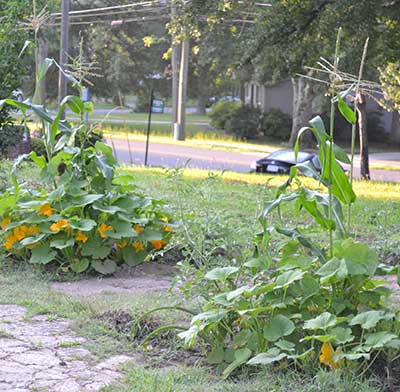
x: 390, y: 81
x: 12, y: 38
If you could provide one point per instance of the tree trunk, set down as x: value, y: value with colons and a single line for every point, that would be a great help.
x: 201, y: 103
x: 362, y: 126
x: 242, y: 91
x: 43, y: 53
x: 302, y: 110
x: 395, y: 130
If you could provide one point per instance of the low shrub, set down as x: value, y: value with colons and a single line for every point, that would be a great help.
x: 142, y: 104
x: 222, y: 112
x: 276, y: 124
x: 244, y: 122
x: 38, y: 146
x: 10, y: 136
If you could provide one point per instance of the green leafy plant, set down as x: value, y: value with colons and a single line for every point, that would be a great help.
x: 10, y: 135
x: 244, y: 122
x: 276, y: 124
x: 86, y: 215
x: 222, y: 112
x: 37, y: 145
x: 306, y: 304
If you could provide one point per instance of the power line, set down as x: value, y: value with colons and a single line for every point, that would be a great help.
x: 115, y: 7
x: 113, y: 22
x: 116, y: 13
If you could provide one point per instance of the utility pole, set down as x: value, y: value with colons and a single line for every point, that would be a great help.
x: 175, y: 64
x: 62, y: 80
x: 179, y: 128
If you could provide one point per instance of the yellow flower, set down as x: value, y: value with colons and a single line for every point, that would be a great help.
x: 158, y: 244
x: 5, y: 222
x: 139, y: 229
x: 327, y: 355
x: 122, y: 244
x: 167, y: 55
x: 33, y: 230
x: 148, y: 41
x: 21, y: 232
x: 168, y: 228
x: 46, y: 210
x: 165, y: 219
x: 138, y: 246
x: 103, y: 228
x: 80, y: 237
x: 56, y: 227
x: 10, y: 242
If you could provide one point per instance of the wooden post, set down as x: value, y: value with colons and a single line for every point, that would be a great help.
x: 362, y: 125
x: 179, y: 130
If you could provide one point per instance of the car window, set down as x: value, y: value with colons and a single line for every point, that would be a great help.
x: 288, y: 156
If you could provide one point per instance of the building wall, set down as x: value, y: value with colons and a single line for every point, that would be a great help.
x: 280, y: 96
x: 266, y: 98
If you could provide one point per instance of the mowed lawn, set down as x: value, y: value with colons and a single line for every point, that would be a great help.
x: 227, y: 205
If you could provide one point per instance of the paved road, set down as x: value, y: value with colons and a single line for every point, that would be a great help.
x: 172, y: 156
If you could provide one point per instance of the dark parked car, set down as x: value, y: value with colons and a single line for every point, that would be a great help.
x: 280, y: 162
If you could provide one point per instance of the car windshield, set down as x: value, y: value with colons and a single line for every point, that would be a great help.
x: 288, y: 156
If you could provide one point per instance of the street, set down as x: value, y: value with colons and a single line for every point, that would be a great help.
x: 172, y: 156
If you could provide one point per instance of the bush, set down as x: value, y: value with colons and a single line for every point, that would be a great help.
x: 142, y: 104
x: 276, y: 124
x: 222, y: 112
x: 244, y: 122
x: 37, y: 145
x: 10, y: 135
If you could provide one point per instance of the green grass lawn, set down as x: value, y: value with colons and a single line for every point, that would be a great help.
x: 226, y: 206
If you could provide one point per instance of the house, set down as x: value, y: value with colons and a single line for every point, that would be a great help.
x: 382, y: 124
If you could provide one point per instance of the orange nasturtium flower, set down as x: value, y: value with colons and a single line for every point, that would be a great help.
x: 4, y: 223
x: 102, y: 230
x: 168, y: 228
x: 46, y: 210
x: 327, y: 355
x: 138, y: 246
x: 158, y: 244
x: 56, y: 227
x: 81, y: 237
x: 122, y: 244
x: 21, y: 232
x: 139, y: 229
x: 11, y: 240
x: 33, y: 230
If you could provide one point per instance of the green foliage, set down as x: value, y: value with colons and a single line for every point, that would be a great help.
x: 142, y: 104
x: 244, y: 122
x: 10, y: 135
x: 37, y: 145
x: 12, y: 38
x: 241, y: 120
x: 222, y: 112
x: 390, y: 80
x: 299, y: 303
x: 84, y: 215
x: 276, y: 124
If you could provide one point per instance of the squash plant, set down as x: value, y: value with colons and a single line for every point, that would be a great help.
x: 85, y: 215
x: 310, y: 304
x: 305, y: 305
